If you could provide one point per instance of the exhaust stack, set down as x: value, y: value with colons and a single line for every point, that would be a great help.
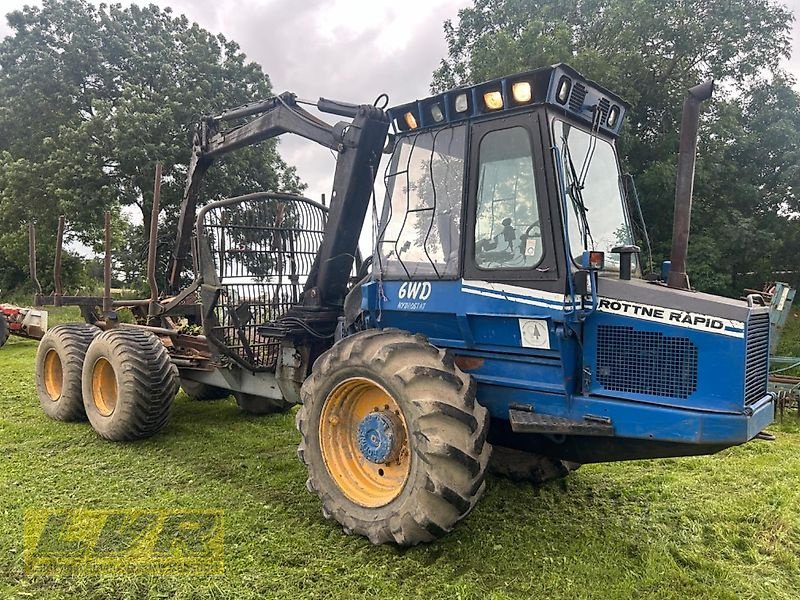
x: 685, y: 180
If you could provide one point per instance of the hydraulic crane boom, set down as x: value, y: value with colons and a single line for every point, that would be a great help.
x: 359, y: 144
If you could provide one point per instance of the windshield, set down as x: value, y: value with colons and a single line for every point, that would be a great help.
x: 597, y: 219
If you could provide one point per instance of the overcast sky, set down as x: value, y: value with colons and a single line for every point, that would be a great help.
x: 349, y: 50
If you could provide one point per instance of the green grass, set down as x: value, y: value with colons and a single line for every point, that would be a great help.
x: 725, y: 526
x: 789, y: 344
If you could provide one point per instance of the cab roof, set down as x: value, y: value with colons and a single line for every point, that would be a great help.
x: 559, y: 86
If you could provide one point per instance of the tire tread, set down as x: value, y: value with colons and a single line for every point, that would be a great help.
x: 452, y: 432
x: 145, y: 393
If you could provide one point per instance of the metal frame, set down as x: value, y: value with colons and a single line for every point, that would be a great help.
x: 359, y: 143
x: 213, y: 286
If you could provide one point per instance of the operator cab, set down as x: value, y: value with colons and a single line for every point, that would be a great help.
x: 505, y: 239
x: 477, y: 172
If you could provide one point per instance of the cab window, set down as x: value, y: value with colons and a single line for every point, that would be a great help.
x: 507, y: 230
x: 420, y: 233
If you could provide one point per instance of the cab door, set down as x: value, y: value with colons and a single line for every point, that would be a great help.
x: 510, y: 218
x: 509, y: 236
x: 512, y: 291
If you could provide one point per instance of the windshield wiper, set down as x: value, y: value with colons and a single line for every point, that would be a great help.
x: 576, y: 183
x: 575, y: 193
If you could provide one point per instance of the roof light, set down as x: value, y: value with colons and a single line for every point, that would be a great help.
x: 564, y: 86
x: 462, y: 103
x: 493, y: 100
x: 411, y: 120
x: 521, y: 91
x: 613, y: 116
x: 436, y: 113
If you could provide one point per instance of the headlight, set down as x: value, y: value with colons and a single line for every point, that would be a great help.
x: 521, y: 91
x: 436, y: 113
x: 613, y: 116
x: 493, y: 100
x: 462, y: 103
x: 411, y: 120
x: 562, y: 93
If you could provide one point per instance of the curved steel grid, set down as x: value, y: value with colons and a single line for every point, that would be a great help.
x: 263, y: 247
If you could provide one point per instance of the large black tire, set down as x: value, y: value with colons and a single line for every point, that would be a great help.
x: 129, y: 383
x: 445, y: 432
x: 202, y: 391
x: 59, y: 364
x: 520, y: 466
x: 4, y: 331
x: 258, y: 405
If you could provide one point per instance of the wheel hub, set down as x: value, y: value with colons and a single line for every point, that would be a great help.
x: 53, y: 375
x: 363, y: 439
x: 104, y: 387
x: 379, y: 436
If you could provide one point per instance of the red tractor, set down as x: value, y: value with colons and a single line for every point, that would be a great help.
x: 24, y: 322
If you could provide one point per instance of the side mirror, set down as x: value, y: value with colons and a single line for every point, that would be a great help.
x: 582, y: 282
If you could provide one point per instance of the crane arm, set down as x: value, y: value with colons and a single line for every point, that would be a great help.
x: 359, y: 144
x: 275, y: 116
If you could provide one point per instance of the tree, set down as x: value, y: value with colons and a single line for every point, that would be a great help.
x: 91, y: 97
x: 650, y: 52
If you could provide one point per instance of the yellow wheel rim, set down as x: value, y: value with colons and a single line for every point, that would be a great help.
x: 53, y: 375
x: 347, y: 414
x: 104, y: 387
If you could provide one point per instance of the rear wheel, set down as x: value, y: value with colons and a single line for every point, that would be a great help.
x: 129, y: 383
x: 258, y: 405
x: 393, y: 439
x: 59, y: 364
x: 4, y: 331
x: 202, y: 391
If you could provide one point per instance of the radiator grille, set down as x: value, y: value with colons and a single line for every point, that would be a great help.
x: 645, y: 362
x: 756, y: 363
x: 604, y: 106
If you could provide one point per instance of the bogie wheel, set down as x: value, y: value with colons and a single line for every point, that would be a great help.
x: 202, y: 391
x: 129, y: 383
x: 393, y: 439
x: 4, y: 332
x: 259, y: 405
x: 59, y: 364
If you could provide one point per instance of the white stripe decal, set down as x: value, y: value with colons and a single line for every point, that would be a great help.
x: 672, y: 316
x: 510, y: 299
x: 540, y: 295
x: 645, y: 312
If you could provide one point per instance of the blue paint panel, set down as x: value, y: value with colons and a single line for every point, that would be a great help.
x: 719, y: 367
x: 486, y: 321
x: 481, y: 321
x: 525, y: 377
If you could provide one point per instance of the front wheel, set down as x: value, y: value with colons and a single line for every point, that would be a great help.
x: 393, y: 439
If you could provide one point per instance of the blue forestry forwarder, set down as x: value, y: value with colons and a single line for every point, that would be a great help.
x: 503, y: 307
